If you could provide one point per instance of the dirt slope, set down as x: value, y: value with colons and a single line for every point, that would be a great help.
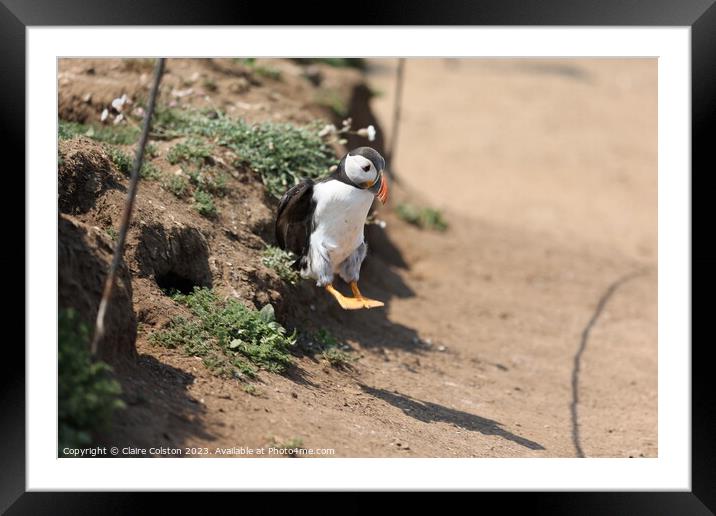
x: 547, y: 175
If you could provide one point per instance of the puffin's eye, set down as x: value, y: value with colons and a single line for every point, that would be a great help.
x: 366, y: 168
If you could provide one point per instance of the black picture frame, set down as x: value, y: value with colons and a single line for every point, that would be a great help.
x: 700, y: 15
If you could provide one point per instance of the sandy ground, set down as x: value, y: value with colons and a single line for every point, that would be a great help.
x: 548, y: 173
x: 528, y: 329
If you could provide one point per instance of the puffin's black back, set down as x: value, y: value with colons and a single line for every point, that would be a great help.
x: 294, y: 218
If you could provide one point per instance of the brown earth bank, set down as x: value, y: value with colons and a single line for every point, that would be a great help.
x: 546, y: 174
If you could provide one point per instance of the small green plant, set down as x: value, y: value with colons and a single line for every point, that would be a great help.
x: 251, y: 389
x: 338, y: 62
x: 204, y: 204
x: 337, y: 358
x: 178, y: 185
x: 230, y: 338
x: 151, y: 150
x: 115, y: 134
x: 289, y: 448
x: 124, y: 163
x: 87, y: 394
x: 149, y: 172
x: 210, y: 180
x: 336, y: 353
x: 281, y: 261
x: 121, y: 159
x: 111, y: 233
x: 192, y: 150
x: 424, y: 218
x: 258, y: 69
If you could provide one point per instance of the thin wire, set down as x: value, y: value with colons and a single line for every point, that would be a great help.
x: 128, y: 207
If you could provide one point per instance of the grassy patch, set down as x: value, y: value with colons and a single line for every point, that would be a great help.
x: 149, y: 172
x: 178, y: 185
x: 151, y: 150
x: 259, y: 69
x: 115, y: 134
x: 282, y: 154
x: 122, y: 160
x: 422, y: 217
x: 337, y: 62
x: 327, y: 346
x: 209, y: 180
x: 232, y: 340
x: 124, y: 163
x: 87, y: 394
x: 193, y: 151
x: 204, y: 204
x: 281, y: 261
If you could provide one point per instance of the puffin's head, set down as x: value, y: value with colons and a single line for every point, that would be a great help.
x: 364, y: 167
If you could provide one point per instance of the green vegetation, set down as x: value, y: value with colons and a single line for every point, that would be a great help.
x: 124, y: 163
x: 258, y: 69
x: 204, y: 204
x: 211, y: 180
x: 232, y: 340
x: 281, y: 261
x: 149, y: 172
x: 192, y: 150
x: 337, y: 62
x: 331, y: 349
x: 87, y: 394
x: 114, y: 134
x: 290, y: 445
x: 281, y: 153
x: 121, y: 159
x: 424, y: 218
x: 251, y: 389
x: 177, y: 184
x: 151, y: 150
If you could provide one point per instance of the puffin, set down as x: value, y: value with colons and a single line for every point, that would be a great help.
x: 322, y: 223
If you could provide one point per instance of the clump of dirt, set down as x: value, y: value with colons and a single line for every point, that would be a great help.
x: 84, y: 173
x: 84, y: 255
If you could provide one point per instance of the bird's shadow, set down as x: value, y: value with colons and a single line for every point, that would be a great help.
x: 428, y: 412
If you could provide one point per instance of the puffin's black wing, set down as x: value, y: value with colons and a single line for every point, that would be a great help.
x: 294, y: 218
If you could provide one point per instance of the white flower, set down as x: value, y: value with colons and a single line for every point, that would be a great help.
x: 367, y: 132
x: 119, y: 102
x: 104, y: 115
x: 371, y: 133
x: 119, y: 118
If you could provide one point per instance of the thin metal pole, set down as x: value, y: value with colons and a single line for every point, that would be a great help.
x: 128, y: 207
x: 397, y: 103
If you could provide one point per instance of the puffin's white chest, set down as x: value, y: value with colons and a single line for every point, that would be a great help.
x: 339, y: 216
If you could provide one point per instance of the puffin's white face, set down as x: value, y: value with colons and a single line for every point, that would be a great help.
x: 361, y: 171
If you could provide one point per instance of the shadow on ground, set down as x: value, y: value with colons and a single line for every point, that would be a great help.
x: 432, y: 412
x: 160, y: 411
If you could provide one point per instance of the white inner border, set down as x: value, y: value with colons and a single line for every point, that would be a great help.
x: 671, y: 470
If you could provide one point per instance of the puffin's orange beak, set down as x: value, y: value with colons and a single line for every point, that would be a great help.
x: 383, y: 191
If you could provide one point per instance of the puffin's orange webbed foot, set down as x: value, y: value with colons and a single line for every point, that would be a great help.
x: 367, y: 302
x: 353, y: 303
x: 347, y: 303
